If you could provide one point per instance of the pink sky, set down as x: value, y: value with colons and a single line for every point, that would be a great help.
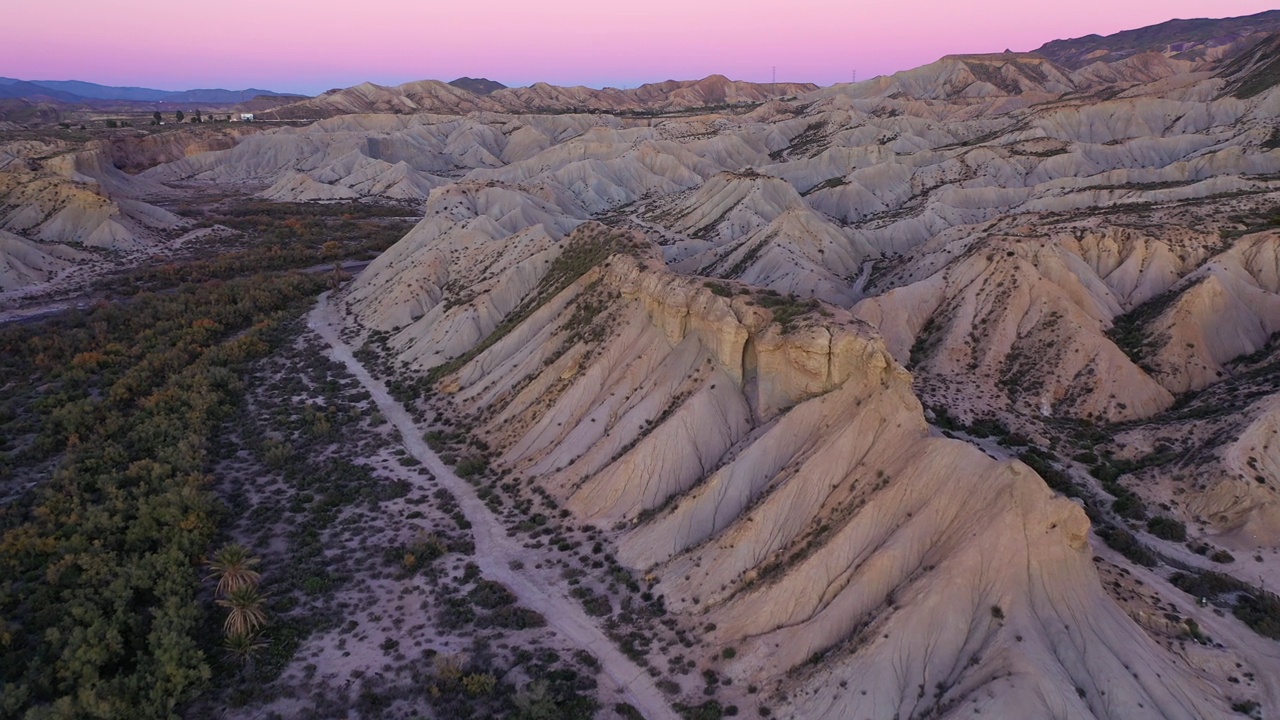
x: 312, y: 45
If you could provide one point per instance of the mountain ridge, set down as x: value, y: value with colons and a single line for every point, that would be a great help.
x: 435, y: 96
x: 80, y: 91
x: 1195, y: 38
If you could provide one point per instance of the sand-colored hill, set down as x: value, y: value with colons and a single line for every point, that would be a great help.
x: 61, y: 194
x: 24, y: 263
x: 1228, y: 307
x: 1014, y: 320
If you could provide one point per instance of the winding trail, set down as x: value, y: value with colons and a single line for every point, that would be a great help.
x: 495, y: 550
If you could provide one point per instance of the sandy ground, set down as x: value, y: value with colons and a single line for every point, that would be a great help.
x: 495, y: 550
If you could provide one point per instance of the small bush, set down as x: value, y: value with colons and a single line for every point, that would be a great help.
x: 1125, y: 543
x: 472, y: 466
x: 489, y: 594
x: 1246, y: 707
x: 709, y: 710
x: 627, y: 711
x: 479, y: 683
x: 1166, y: 528
x: 1260, y: 610
x: 514, y: 617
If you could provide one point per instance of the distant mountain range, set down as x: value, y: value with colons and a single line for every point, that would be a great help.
x: 79, y: 91
x: 1133, y: 55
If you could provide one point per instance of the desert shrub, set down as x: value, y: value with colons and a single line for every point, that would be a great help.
x: 491, y: 594
x: 455, y: 613
x: 1260, y: 610
x: 1045, y: 467
x: 1126, y: 544
x: 1167, y: 528
x: 627, y: 712
x: 276, y: 454
x: 597, y: 605
x: 1255, y: 607
x: 479, y: 683
x: 709, y: 710
x: 1127, y: 504
x: 471, y: 466
x: 513, y: 617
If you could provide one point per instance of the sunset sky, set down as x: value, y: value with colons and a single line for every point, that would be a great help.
x: 312, y: 45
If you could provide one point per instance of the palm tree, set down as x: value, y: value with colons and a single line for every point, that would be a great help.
x: 535, y: 702
x: 244, y: 611
x: 338, y: 276
x: 233, y: 566
x: 242, y: 647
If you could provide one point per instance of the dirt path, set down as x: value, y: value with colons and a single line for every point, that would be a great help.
x: 495, y: 550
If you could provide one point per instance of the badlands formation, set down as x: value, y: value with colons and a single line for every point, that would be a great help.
x: 893, y: 389
x: 68, y: 207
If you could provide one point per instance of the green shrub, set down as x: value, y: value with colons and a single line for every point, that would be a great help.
x: 471, y: 466
x: 709, y: 710
x: 479, y: 683
x: 718, y: 288
x: 1166, y: 528
x: 490, y: 594
x: 1126, y: 544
